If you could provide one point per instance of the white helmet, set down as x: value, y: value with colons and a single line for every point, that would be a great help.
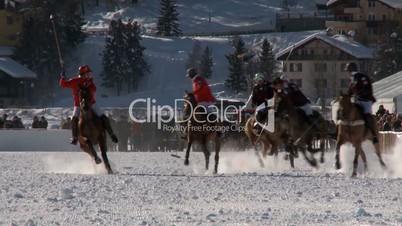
x: 259, y: 76
x: 285, y: 78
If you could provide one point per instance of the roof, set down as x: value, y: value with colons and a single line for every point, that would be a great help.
x: 340, y: 41
x: 388, y: 87
x: 15, y: 69
x: 6, y: 50
x: 397, y: 4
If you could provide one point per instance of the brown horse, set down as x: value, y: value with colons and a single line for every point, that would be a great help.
x: 91, y: 131
x: 199, y: 129
x: 351, y: 128
x: 269, y: 139
x: 302, y: 134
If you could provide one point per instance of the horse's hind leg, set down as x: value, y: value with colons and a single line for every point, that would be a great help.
x: 378, y: 152
x: 217, y: 150
x: 337, y: 164
x: 355, y: 161
x: 186, y: 161
x: 103, y: 148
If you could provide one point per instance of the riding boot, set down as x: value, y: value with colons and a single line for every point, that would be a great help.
x: 108, y: 127
x: 259, y: 118
x: 370, y: 123
x: 74, y: 130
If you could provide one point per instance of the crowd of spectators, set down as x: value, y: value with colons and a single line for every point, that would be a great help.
x: 16, y: 122
x: 387, y: 121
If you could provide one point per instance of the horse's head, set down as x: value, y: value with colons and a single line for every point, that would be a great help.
x: 282, y: 104
x: 85, y: 98
x: 189, y: 104
x: 345, y: 104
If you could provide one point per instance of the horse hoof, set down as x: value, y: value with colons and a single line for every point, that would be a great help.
x: 337, y: 165
x: 186, y: 162
x: 98, y: 161
x: 322, y: 160
x: 110, y: 172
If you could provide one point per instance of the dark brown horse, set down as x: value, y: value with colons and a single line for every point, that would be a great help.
x: 302, y: 134
x: 351, y: 128
x: 91, y: 131
x: 269, y: 139
x: 199, y: 129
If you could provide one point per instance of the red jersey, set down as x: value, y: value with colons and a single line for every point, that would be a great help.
x: 201, y: 90
x: 75, y: 83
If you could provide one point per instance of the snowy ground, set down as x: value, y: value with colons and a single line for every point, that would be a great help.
x: 64, y: 188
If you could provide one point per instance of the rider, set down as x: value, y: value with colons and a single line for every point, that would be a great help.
x: 84, y: 79
x: 289, y: 90
x: 361, y: 88
x: 262, y: 92
x: 201, y: 89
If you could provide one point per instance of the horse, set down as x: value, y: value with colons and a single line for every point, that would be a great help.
x: 302, y: 135
x: 91, y: 132
x: 201, y: 130
x: 351, y: 128
x: 269, y: 139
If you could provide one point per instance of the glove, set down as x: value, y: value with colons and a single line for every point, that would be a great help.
x: 62, y: 74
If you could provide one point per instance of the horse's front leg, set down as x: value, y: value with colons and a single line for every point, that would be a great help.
x: 204, y: 144
x: 92, y: 151
x: 322, y: 148
x: 103, y: 148
x: 311, y: 161
x: 337, y: 164
x: 186, y: 161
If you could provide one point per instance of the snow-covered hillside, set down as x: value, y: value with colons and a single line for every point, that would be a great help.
x: 167, y: 56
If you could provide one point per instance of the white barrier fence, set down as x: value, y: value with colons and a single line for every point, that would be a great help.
x: 36, y: 140
x: 58, y: 140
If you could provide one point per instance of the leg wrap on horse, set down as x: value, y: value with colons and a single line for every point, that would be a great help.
x: 74, y: 130
x: 370, y: 123
x: 108, y: 127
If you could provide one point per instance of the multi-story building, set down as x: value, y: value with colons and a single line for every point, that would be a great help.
x: 369, y: 21
x: 316, y: 64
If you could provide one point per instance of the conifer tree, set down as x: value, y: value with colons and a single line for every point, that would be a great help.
x: 388, y: 57
x: 206, y: 63
x: 267, y: 60
x: 167, y: 24
x: 123, y: 59
x: 193, y: 59
x: 236, y: 80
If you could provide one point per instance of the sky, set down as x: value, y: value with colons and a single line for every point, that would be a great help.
x: 64, y: 187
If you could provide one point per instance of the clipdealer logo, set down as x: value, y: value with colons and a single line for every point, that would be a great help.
x: 174, y: 122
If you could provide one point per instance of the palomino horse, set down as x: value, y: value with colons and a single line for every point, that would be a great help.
x: 301, y: 134
x: 91, y: 131
x: 199, y: 129
x: 269, y: 139
x: 351, y: 128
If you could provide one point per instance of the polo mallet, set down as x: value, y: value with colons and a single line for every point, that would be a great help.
x: 57, y: 40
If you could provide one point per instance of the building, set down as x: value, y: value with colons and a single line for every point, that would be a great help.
x: 316, y: 64
x: 17, y: 82
x: 370, y: 21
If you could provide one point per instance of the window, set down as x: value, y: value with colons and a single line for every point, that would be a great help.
x: 384, y: 17
x: 344, y: 83
x: 9, y: 20
x: 284, y: 68
x: 371, y: 4
x: 298, y: 82
x: 295, y: 67
x: 320, y: 67
x: 371, y: 17
x: 357, y: 3
x: 371, y: 31
x: 322, y: 83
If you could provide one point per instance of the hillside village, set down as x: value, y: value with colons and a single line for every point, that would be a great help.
x: 312, y: 56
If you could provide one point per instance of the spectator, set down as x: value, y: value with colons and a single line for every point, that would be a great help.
x: 43, y: 122
x: 17, y: 123
x: 136, y: 136
x: 7, y: 123
x: 387, y: 124
x: 124, y: 132
x: 381, y: 111
x: 67, y: 124
x: 35, y: 123
x: 397, y: 123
